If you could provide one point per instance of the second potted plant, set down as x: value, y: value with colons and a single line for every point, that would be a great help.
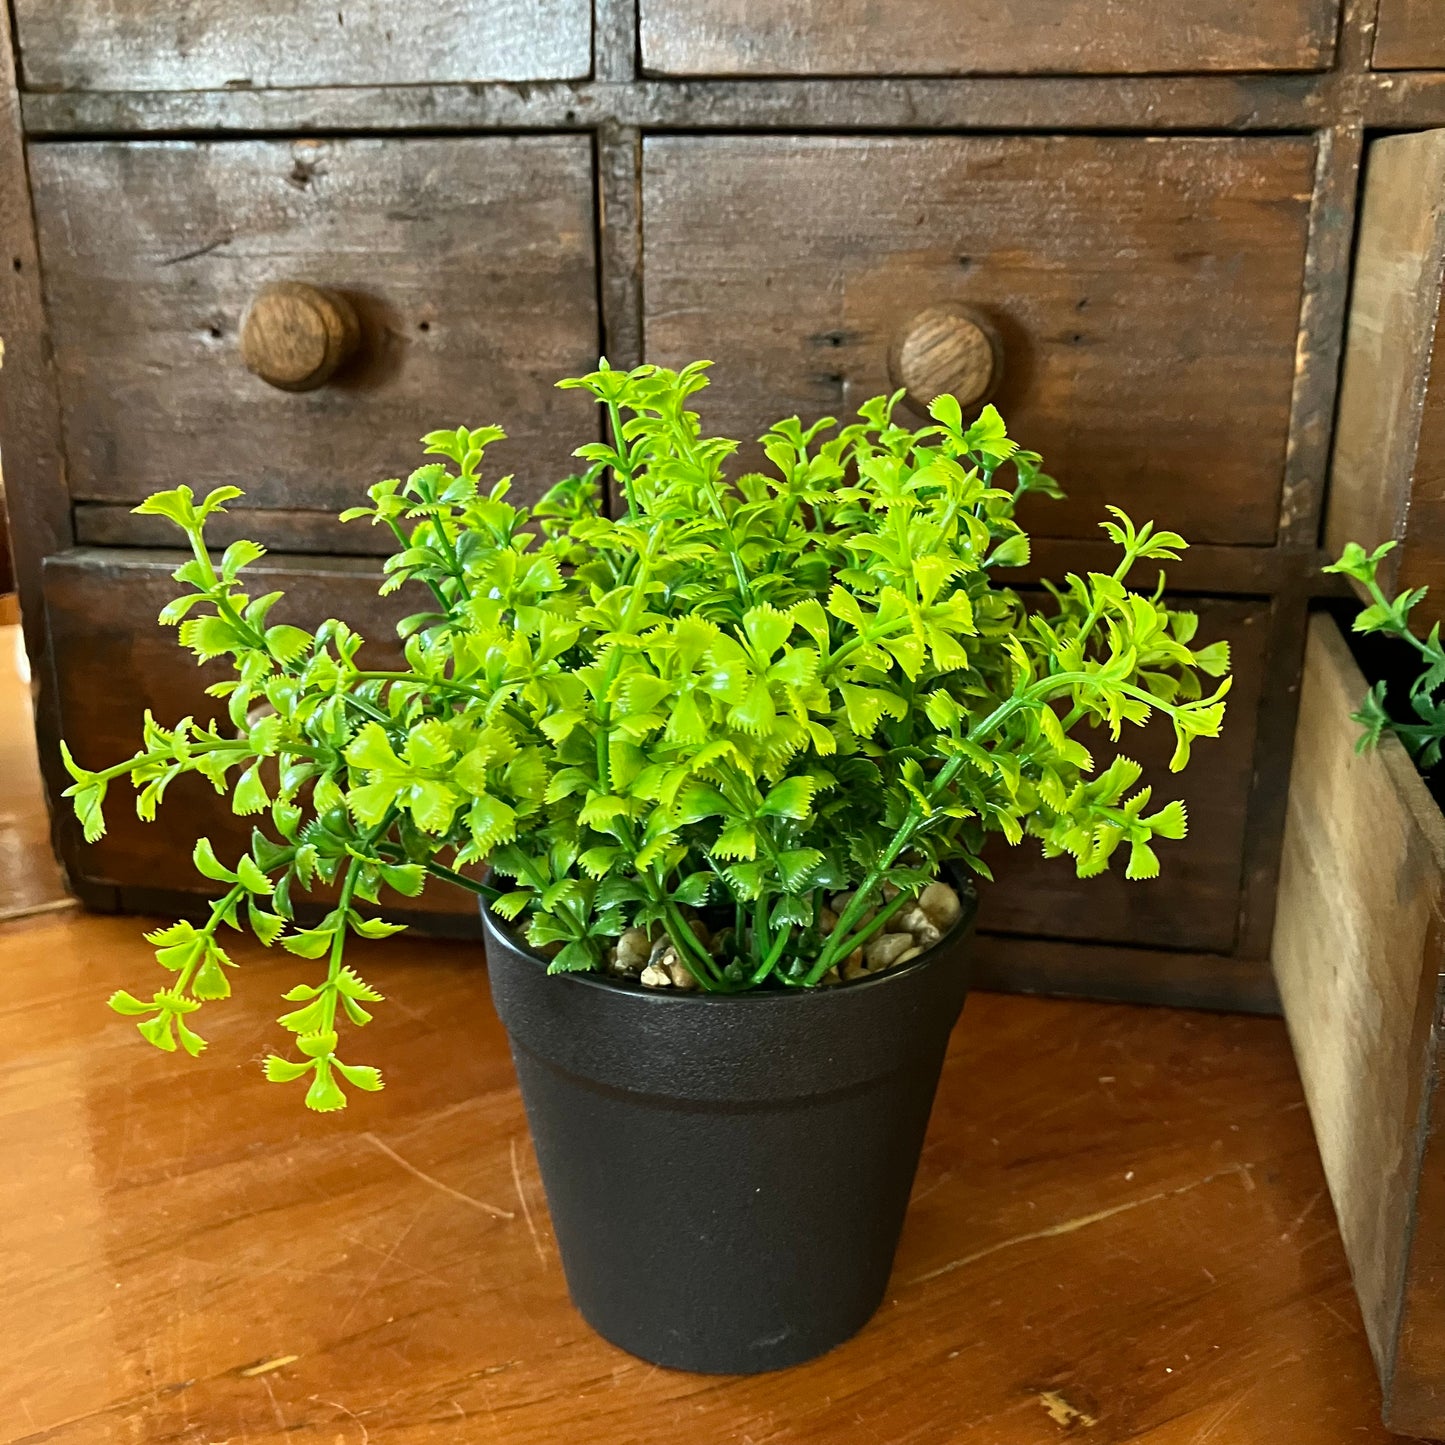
x: 731, y: 757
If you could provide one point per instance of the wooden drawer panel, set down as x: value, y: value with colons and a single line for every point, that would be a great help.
x: 470, y: 263
x: 112, y: 662
x: 963, y: 37
x: 1146, y: 293
x: 1194, y: 904
x: 1388, y: 482
x: 1410, y: 35
x: 219, y: 44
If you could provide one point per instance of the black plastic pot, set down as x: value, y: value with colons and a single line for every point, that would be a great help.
x: 728, y: 1175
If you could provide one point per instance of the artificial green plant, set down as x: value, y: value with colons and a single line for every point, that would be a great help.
x: 741, y: 696
x: 1423, y: 737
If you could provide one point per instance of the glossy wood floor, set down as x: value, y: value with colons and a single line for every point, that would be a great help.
x: 1119, y: 1232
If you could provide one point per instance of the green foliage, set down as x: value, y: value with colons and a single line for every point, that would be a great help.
x: 1424, y: 737
x: 739, y: 695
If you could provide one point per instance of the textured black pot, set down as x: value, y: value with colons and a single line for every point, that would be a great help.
x: 728, y: 1175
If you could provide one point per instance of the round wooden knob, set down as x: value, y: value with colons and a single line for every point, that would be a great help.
x: 294, y: 336
x: 947, y: 349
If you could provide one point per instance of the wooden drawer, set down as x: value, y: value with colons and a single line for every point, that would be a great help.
x: 226, y: 44
x: 1195, y: 903
x: 112, y: 662
x: 469, y: 262
x: 1410, y: 35
x: 1388, y: 481
x: 925, y: 37
x: 1146, y: 294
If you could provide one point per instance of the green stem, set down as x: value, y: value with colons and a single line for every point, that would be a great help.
x: 696, y: 959
x: 403, y: 541
x: 460, y: 880
x: 338, y: 943
x: 218, y: 910
x: 774, y: 954
x: 873, y: 926
x: 622, y: 473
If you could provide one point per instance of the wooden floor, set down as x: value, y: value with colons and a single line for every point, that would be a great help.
x: 1119, y: 1233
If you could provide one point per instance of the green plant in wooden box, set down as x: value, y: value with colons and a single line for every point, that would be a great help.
x: 1424, y: 734
x: 743, y: 722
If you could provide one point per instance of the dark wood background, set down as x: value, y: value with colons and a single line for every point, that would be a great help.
x: 1155, y: 211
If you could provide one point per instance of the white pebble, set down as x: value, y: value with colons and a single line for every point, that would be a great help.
x: 941, y: 904
x: 883, y: 951
x: 633, y: 950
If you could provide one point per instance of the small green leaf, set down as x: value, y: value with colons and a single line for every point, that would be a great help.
x: 324, y: 1095
x: 284, y: 1071
x: 124, y: 1003
x: 360, y: 1076
x: 286, y: 644
x: 207, y: 864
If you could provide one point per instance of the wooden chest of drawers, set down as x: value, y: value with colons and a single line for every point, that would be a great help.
x: 1148, y: 213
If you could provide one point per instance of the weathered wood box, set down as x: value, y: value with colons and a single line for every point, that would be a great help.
x: 1359, y: 957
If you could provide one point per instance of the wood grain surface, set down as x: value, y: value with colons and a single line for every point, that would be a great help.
x: 113, y: 662
x: 1119, y: 1232
x: 470, y: 262
x: 1388, y: 481
x: 916, y: 37
x: 1359, y: 956
x: 1410, y: 35
x: 1147, y: 292
x: 212, y: 44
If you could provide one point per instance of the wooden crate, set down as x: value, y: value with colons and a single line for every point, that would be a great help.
x: 1359, y: 957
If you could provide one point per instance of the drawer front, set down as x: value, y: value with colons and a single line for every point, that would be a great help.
x: 975, y: 37
x: 468, y: 263
x: 1410, y: 35
x: 1144, y: 294
x: 220, y: 44
x: 1194, y: 903
x: 1388, y: 479
x: 112, y: 662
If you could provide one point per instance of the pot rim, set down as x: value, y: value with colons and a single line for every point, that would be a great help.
x: 610, y: 983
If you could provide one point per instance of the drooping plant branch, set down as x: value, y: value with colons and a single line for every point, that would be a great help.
x: 740, y: 695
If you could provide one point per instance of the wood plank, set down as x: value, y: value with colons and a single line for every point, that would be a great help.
x: 35, y: 498
x: 1119, y: 1213
x: 912, y: 37
x: 1016, y: 103
x: 1359, y: 955
x: 1410, y: 35
x: 1121, y: 973
x: 469, y: 261
x: 1389, y: 457
x: 1321, y: 327
x: 113, y: 662
x: 137, y: 45
x: 1147, y: 340
x: 1220, y: 570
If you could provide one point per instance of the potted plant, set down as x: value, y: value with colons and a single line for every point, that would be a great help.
x: 731, y: 758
